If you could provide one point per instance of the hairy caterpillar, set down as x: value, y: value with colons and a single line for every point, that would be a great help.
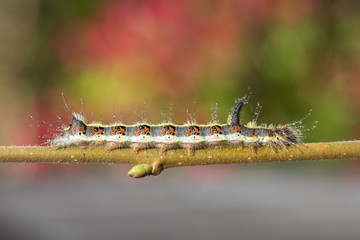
x: 166, y: 136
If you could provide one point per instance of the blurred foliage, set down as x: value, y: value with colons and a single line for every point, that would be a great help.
x: 45, y: 70
x: 117, y: 54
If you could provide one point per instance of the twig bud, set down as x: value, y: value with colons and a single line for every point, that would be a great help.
x: 140, y: 170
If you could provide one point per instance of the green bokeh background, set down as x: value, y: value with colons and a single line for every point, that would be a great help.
x: 294, y: 56
x: 117, y: 54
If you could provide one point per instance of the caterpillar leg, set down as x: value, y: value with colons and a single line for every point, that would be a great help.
x: 138, y: 146
x: 97, y: 144
x: 192, y: 147
x: 164, y: 147
x: 191, y: 151
x: 114, y: 145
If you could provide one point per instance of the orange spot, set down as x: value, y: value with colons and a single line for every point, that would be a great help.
x: 172, y: 130
x: 196, y: 130
x: 251, y: 135
x: 114, y: 131
x: 82, y: 128
x: 122, y: 130
x: 74, y: 128
x: 69, y: 132
x: 92, y: 131
x: 163, y: 131
x: 211, y: 131
x: 218, y: 129
x: 232, y: 129
x: 239, y: 128
x: 147, y: 129
x: 138, y: 131
x: 188, y: 132
x: 100, y: 131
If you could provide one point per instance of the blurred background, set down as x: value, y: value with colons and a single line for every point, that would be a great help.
x: 116, y: 55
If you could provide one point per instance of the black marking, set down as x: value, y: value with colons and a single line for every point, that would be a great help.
x: 120, y: 130
x: 235, y: 120
x: 169, y: 130
x: 144, y: 129
x: 216, y: 129
x: 194, y: 130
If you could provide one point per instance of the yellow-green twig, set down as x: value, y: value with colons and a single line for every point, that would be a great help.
x: 181, y: 157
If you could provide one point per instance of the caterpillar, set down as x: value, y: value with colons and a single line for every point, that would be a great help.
x: 167, y: 136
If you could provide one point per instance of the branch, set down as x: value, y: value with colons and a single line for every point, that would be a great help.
x: 153, y: 161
